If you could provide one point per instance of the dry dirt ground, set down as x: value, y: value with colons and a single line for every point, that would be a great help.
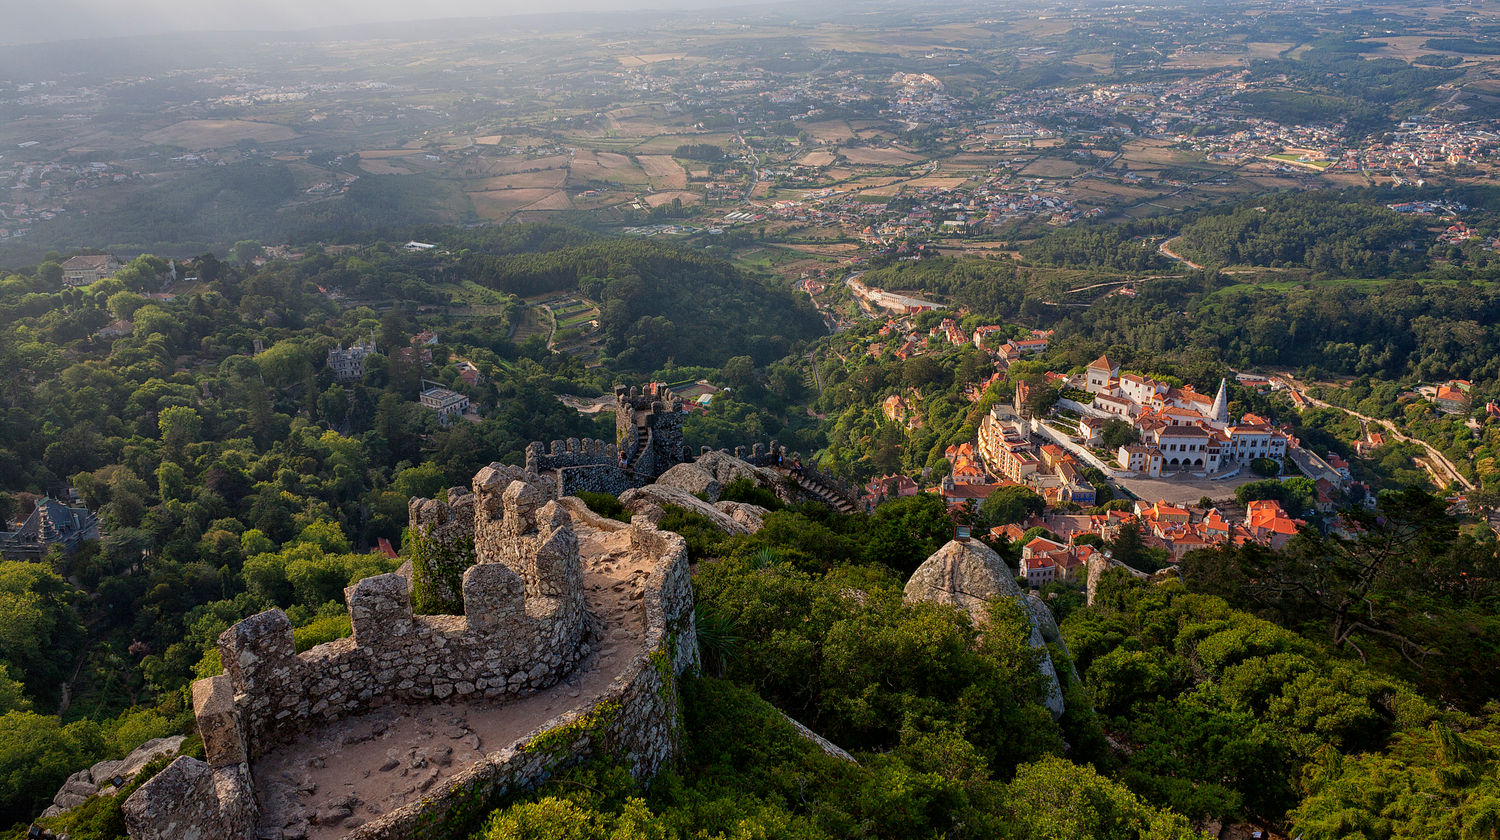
x: 345, y: 774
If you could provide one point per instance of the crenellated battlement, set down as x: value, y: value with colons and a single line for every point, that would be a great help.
x: 572, y: 452
x: 523, y: 625
x: 648, y: 442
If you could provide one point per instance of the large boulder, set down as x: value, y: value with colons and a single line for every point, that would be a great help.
x: 138, y: 758
x: 86, y: 783
x: 650, y: 502
x: 969, y: 575
x: 727, y: 468
x: 966, y: 574
x: 692, y: 478
x: 751, y: 516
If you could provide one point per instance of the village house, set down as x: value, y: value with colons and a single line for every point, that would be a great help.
x: 442, y: 400
x: 888, y: 487
x: 1371, y: 441
x: 984, y: 336
x: 966, y: 466
x: 897, y: 410
x: 469, y: 372
x: 88, y: 269
x: 1269, y: 525
x: 1045, y: 561
x: 956, y: 495
x: 1451, y: 400
x: 948, y: 331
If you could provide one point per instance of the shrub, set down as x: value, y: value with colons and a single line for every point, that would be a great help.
x: 745, y: 490
x: 605, y: 505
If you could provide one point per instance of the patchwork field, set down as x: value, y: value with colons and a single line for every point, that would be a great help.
x: 664, y: 171
x: 664, y: 198
x: 832, y: 131
x: 651, y: 58
x: 518, y: 163
x: 1053, y: 168
x: 606, y: 166
x: 549, y: 178
x: 384, y: 166
x: 878, y: 157
x: 497, y: 205
x: 938, y: 182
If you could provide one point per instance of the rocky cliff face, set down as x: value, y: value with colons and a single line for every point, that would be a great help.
x: 969, y: 575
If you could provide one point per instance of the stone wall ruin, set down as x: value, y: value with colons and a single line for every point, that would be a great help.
x: 525, y: 625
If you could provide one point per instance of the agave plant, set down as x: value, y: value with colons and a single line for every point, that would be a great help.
x: 718, y: 638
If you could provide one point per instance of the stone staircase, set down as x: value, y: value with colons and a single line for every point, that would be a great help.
x: 826, y: 490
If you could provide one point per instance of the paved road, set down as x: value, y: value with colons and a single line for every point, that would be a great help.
x: 1165, y: 250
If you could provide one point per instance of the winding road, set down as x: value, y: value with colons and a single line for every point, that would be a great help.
x: 1434, y: 457
x: 1165, y: 250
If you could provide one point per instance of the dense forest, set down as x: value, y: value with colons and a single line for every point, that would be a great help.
x: 231, y: 472
x: 1317, y: 231
x: 1189, y: 709
x: 645, y: 316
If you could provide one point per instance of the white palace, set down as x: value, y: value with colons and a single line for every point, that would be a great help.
x: 1180, y: 428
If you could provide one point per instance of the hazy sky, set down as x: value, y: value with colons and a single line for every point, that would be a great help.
x: 27, y: 21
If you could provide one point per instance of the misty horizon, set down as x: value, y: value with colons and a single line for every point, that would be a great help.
x: 72, y: 20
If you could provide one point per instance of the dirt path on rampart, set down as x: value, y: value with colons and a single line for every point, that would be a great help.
x: 353, y: 771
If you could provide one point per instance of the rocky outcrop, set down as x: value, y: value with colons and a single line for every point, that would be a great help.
x: 969, y: 575
x: 751, y: 516
x: 100, y: 777
x: 1046, y: 624
x: 692, y: 478
x: 966, y: 574
x: 651, y: 501
x: 727, y: 469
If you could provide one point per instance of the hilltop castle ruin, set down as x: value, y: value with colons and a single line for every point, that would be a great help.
x: 648, y: 442
x: 547, y: 599
x: 527, y: 623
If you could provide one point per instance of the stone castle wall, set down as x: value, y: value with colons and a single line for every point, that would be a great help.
x: 524, y: 626
x: 648, y: 442
x: 572, y: 452
x: 583, y: 466
x: 648, y: 428
x: 636, y: 718
x: 447, y: 529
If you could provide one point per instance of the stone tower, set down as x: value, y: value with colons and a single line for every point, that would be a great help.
x: 648, y: 429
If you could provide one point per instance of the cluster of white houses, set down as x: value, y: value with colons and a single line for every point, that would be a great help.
x: 1181, y: 429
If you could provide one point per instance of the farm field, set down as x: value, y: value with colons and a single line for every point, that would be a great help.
x: 210, y: 134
